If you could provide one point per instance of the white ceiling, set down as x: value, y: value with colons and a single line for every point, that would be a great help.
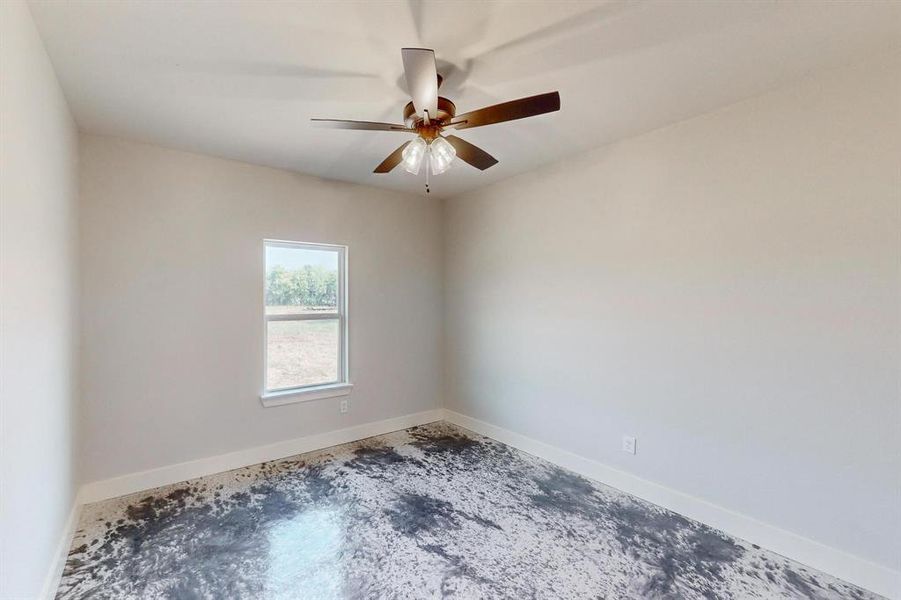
x: 242, y: 79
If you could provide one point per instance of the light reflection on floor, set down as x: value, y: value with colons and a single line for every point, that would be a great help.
x: 305, y: 557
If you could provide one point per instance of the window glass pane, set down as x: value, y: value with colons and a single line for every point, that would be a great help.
x: 301, y: 280
x: 302, y: 353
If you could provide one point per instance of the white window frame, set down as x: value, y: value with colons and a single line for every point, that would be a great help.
x: 339, y: 387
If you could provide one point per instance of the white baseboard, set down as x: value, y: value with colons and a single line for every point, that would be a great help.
x: 145, y: 480
x: 51, y: 581
x: 850, y: 568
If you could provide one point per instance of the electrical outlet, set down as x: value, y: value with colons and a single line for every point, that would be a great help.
x: 342, y: 406
x: 630, y: 444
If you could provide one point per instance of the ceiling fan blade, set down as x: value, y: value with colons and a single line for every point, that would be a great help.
x: 392, y: 161
x: 508, y: 111
x: 364, y: 125
x: 472, y: 154
x: 422, y: 79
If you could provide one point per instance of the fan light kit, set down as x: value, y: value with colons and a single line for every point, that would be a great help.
x: 429, y: 114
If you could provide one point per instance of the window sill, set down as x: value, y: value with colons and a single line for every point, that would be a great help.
x: 318, y: 392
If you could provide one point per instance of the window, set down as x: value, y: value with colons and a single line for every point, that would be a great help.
x: 306, y: 322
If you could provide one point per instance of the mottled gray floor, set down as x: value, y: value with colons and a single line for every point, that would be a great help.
x: 429, y: 512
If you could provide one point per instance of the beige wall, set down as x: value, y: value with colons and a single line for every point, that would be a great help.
x: 726, y: 289
x: 38, y: 304
x: 172, y: 261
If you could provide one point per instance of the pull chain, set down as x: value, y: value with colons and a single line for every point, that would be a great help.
x: 427, y: 191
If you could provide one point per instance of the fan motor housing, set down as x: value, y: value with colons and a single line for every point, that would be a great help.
x: 446, y: 112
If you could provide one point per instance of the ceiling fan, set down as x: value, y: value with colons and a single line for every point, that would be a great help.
x: 429, y: 114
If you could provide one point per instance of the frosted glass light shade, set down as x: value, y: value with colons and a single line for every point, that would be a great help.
x: 413, y: 155
x: 441, y: 155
